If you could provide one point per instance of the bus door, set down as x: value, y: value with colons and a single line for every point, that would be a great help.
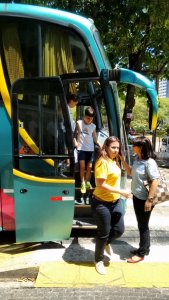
x: 42, y: 144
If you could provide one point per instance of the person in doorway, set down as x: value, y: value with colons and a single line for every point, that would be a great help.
x: 143, y: 166
x: 72, y: 101
x: 84, y: 138
x: 107, y: 204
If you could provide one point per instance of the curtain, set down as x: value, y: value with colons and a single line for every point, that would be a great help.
x: 57, y: 55
x: 12, y: 51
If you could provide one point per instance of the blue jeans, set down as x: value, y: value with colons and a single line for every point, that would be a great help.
x: 109, y: 219
x: 143, y: 218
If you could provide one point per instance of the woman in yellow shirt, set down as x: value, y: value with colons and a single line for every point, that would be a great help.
x: 106, y: 204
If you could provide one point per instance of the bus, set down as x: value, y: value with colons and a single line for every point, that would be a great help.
x: 45, y: 54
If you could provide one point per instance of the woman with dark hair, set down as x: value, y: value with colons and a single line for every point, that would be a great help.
x: 144, y: 166
x: 106, y: 204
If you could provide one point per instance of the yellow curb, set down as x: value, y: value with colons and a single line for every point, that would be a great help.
x: 77, y: 275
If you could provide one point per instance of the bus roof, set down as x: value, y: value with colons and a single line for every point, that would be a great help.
x: 45, y: 13
x: 84, y: 26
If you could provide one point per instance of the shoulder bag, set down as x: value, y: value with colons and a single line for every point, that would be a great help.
x: 162, y: 191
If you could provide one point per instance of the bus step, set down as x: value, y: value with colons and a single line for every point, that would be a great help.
x: 84, y: 223
x: 82, y: 210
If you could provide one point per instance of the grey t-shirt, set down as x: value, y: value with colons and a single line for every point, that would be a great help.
x: 139, y: 175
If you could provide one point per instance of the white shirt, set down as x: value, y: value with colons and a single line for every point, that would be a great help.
x: 139, y: 175
x: 85, y: 136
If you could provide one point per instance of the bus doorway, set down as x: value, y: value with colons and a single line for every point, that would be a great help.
x: 38, y: 105
x: 43, y: 195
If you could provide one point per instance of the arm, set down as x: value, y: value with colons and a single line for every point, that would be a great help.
x: 75, y: 142
x: 126, y: 166
x: 96, y: 139
x: 100, y: 182
x: 151, y: 170
x: 152, y: 190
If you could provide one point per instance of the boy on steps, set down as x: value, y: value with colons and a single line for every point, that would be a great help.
x: 84, y: 138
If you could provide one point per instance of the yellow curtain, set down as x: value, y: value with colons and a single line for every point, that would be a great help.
x: 12, y: 51
x: 57, y: 55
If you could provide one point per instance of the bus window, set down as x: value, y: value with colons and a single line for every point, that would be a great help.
x: 72, y: 55
x: 43, y: 120
x: 41, y: 49
x: 44, y: 123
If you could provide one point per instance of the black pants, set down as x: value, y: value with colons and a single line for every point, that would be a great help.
x: 110, y: 224
x: 143, y: 218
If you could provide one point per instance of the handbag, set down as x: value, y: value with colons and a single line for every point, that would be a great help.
x: 162, y: 191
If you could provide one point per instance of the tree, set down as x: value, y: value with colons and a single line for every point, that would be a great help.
x: 135, y: 36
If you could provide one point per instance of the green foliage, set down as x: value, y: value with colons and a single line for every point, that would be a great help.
x: 163, y: 112
x: 140, y: 115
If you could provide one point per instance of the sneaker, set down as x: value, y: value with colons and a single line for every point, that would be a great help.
x: 83, y: 188
x: 88, y: 185
x: 100, y: 268
x: 108, y: 249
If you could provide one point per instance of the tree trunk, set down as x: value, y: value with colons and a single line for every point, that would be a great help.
x: 157, y: 83
x: 129, y: 104
x: 135, y: 64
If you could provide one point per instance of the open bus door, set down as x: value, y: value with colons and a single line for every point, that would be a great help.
x: 43, y: 195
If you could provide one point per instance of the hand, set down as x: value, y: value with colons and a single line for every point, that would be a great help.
x: 121, y: 156
x: 125, y: 193
x: 147, y: 206
x: 99, y: 145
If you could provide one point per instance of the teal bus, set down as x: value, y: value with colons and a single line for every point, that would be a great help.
x: 45, y: 54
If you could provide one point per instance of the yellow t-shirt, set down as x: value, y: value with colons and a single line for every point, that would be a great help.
x: 110, y: 171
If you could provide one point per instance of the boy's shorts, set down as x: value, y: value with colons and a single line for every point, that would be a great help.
x: 87, y: 156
